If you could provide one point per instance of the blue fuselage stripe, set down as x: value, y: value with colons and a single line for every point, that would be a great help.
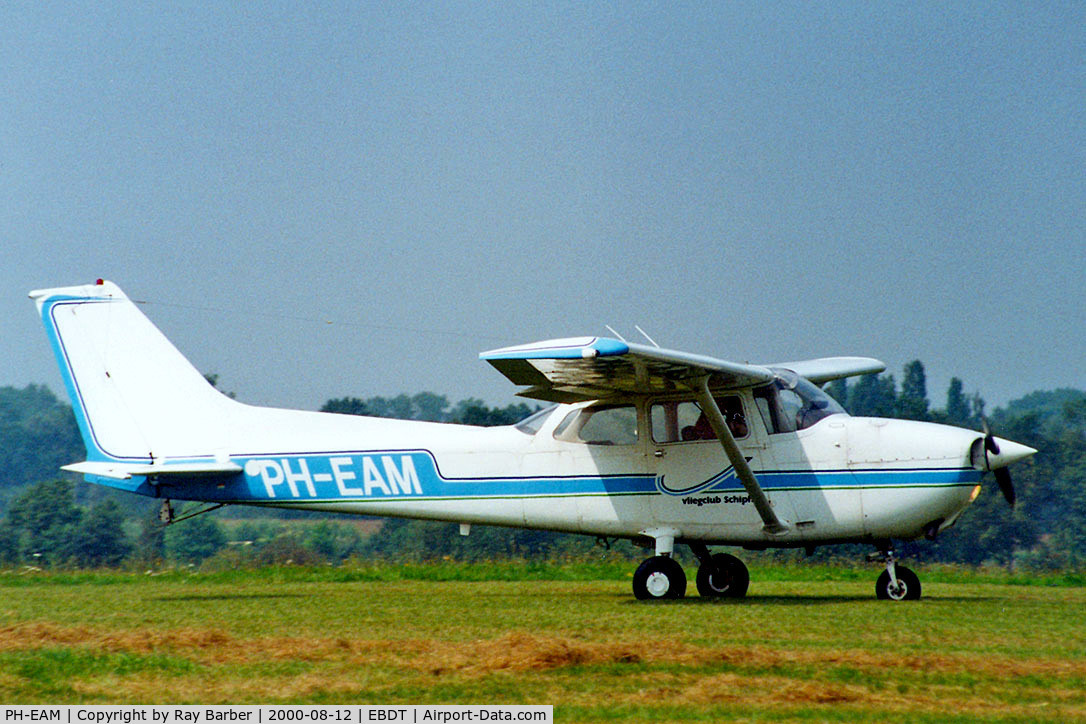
x: 413, y: 474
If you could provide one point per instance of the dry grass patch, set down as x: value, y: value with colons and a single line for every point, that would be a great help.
x: 515, y: 651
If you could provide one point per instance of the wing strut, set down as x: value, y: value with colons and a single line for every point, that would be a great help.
x: 773, y: 524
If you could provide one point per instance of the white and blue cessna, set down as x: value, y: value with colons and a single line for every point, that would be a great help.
x: 653, y: 445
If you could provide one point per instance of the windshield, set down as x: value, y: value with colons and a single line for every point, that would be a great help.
x: 793, y: 403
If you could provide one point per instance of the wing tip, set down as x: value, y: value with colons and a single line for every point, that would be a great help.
x: 563, y: 348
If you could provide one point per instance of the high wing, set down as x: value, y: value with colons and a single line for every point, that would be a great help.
x: 824, y: 369
x: 590, y: 368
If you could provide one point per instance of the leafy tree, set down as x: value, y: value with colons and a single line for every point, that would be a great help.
x: 838, y: 390
x: 873, y: 396
x: 38, y: 434
x: 988, y: 532
x: 474, y: 412
x: 286, y: 549
x: 1069, y: 530
x: 255, y: 532
x: 1074, y: 414
x: 9, y: 543
x: 912, y: 403
x: 150, y: 545
x: 346, y: 406
x: 47, y: 520
x: 333, y: 541
x: 958, y: 409
x: 213, y: 380
x: 430, y: 407
x: 400, y: 407
x: 194, y: 540
x: 422, y: 540
x: 99, y: 537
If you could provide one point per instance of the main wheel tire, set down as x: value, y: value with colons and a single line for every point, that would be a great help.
x: 725, y: 576
x: 908, y: 588
x: 659, y: 577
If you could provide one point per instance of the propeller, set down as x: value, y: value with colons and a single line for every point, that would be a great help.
x: 1002, y: 474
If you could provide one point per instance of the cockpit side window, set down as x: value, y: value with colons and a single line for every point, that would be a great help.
x: 767, y: 401
x: 683, y: 421
x: 600, y: 425
x: 792, y: 403
x: 531, y: 424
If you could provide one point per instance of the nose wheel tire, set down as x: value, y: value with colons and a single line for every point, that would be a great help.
x: 659, y: 577
x: 723, y: 576
x: 907, y: 588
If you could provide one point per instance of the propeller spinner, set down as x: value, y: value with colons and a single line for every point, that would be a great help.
x: 995, y: 454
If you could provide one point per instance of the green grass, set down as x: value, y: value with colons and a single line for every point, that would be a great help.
x: 615, y: 568
x: 808, y: 644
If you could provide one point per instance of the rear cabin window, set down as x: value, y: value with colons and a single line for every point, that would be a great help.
x: 607, y: 425
x: 683, y: 420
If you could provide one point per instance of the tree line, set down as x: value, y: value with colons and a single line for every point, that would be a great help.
x: 51, y: 521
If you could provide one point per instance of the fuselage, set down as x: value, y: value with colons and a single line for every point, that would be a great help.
x: 841, y: 479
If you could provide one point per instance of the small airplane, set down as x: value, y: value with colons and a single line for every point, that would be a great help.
x: 653, y: 445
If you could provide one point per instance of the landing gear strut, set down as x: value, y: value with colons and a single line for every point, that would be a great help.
x: 720, y: 575
x: 896, y: 583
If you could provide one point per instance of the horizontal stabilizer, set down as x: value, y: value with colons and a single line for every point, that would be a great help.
x: 125, y: 471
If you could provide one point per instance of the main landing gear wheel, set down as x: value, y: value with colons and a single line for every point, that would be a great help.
x: 659, y: 577
x: 723, y: 576
x: 907, y: 588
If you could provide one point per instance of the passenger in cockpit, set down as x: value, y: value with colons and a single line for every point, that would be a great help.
x: 732, y: 410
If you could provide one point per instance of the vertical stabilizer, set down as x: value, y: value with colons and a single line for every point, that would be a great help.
x: 135, y: 396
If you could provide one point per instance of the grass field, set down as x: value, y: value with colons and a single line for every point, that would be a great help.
x: 806, y: 645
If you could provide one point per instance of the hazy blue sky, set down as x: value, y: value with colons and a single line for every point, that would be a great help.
x: 328, y: 199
